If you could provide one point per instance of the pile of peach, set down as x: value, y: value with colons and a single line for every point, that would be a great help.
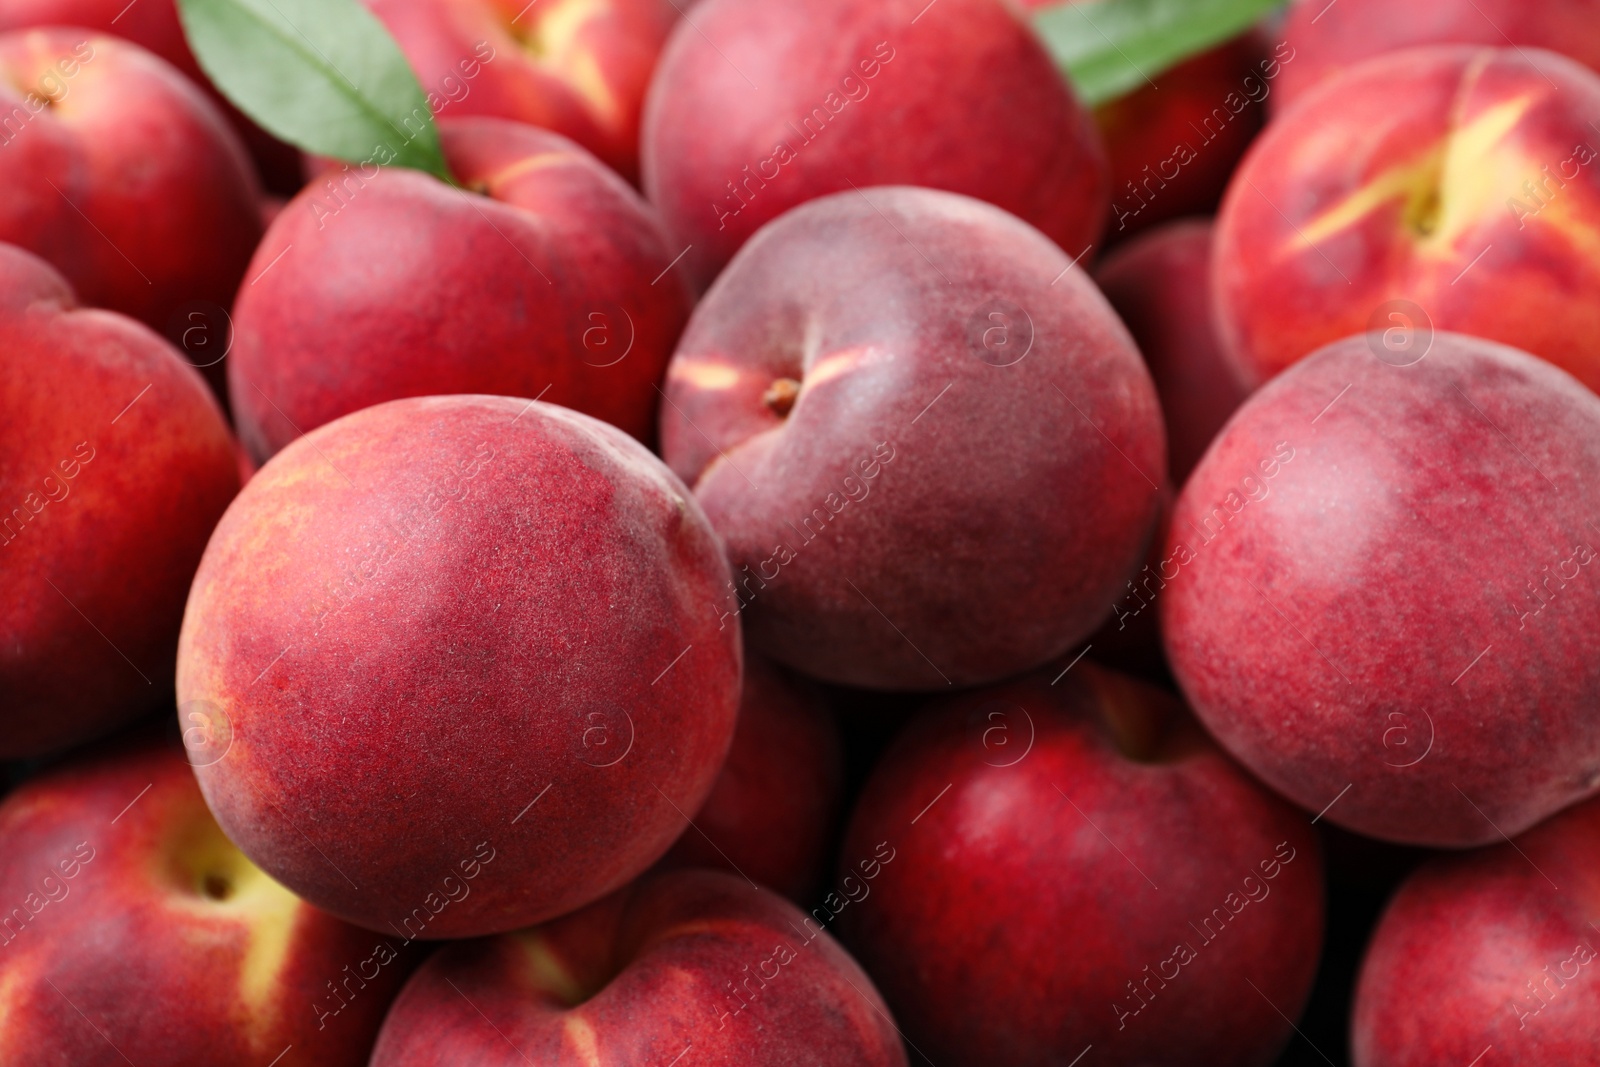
x: 816, y: 548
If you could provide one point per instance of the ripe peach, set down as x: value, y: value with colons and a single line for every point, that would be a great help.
x: 121, y: 173
x: 758, y: 106
x: 154, y: 25
x: 1160, y: 285
x: 380, y: 283
x: 467, y: 654
x: 931, y: 448
x: 1450, y: 188
x: 1381, y: 589
x: 1503, y: 942
x: 1330, y: 38
x: 115, y: 466
x: 578, y: 67
x: 1074, y: 864
x: 771, y: 815
x: 133, y: 931
x: 693, y: 960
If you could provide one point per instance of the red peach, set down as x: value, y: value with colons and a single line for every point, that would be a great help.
x: 115, y: 467
x: 133, y: 931
x: 931, y: 448
x: 467, y: 653
x: 122, y: 174
x: 1380, y: 590
x: 381, y: 283
x: 1074, y: 864
x: 154, y: 25
x: 1160, y: 285
x: 1450, y: 187
x: 578, y: 67
x: 1329, y: 38
x: 759, y: 106
x: 771, y: 815
x: 1494, y: 949
x: 693, y: 960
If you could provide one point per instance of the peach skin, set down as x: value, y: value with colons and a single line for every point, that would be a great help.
x: 1449, y: 188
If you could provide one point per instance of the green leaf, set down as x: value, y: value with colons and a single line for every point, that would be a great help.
x: 1111, y: 47
x: 323, y: 75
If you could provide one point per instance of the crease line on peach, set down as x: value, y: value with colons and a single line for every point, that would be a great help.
x: 899, y: 631
x: 280, y: 1055
x: 1102, y: 833
x: 1503, y: 834
x: 702, y: 833
x: 97, y: 629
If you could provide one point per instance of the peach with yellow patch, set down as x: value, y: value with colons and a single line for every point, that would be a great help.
x: 1465, y: 181
x: 690, y: 967
x: 578, y: 67
x: 132, y: 930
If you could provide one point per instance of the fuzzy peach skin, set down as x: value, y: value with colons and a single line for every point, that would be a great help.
x: 693, y: 960
x: 1491, y: 949
x: 460, y: 634
x: 133, y: 931
x: 931, y: 448
x: 1382, y: 587
x: 154, y: 25
x: 1331, y: 38
x: 578, y: 67
x: 1160, y: 285
x: 380, y: 283
x: 1463, y: 180
x: 771, y: 816
x: 119, y: 171
x: 760, y: 105
x: 115, y: 466
x: 1077, y: 865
